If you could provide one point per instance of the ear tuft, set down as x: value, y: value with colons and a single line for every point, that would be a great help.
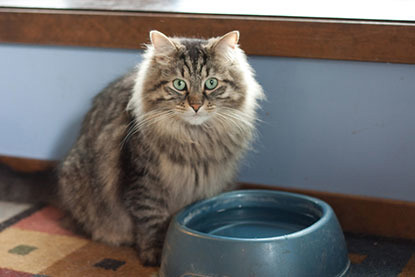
x: 161, y: 42
x: 229, y: 40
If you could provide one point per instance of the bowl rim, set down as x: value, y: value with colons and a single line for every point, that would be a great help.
x: 327, y: 214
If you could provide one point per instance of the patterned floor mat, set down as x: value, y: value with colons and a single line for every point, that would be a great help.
x: 32, y: 243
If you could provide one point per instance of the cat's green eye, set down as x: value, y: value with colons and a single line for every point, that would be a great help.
x: 211, y: 83
x: 179, y: 84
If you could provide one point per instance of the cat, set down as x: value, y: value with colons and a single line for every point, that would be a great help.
x: 170, y: 132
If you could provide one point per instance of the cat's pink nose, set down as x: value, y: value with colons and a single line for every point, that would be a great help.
x: 195, y: 107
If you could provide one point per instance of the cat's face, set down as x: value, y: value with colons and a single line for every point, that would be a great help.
x: 194, y: 81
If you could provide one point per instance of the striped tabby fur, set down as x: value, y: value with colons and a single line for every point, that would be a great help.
x: 144, y: 152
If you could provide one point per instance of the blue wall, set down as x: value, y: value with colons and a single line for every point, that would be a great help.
x: 327, y: 125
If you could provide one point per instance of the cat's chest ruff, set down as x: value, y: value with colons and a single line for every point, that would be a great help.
x: 188, y: 181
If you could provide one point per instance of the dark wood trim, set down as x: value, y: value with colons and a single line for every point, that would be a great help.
x: 378, y: 41
x: 358, y: 214
x: 27, y: 164
x: 366, y: 215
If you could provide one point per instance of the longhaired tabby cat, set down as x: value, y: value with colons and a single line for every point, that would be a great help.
x: 165, y: 135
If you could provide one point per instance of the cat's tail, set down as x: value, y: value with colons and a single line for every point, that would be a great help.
x: 27, y: 187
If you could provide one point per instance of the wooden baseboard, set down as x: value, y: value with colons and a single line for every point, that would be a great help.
x: 357, y: 214
x: 366, y: 215
x: 27, y: 164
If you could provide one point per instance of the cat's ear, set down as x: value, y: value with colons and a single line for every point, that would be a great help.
x: 229, y: 40
x: 161, y: 42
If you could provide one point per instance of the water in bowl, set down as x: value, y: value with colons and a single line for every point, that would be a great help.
x: 252, y: 222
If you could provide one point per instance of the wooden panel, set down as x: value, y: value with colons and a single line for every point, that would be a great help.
x: 26, y: 164
x: 269, y: 36
x: 366, y: 215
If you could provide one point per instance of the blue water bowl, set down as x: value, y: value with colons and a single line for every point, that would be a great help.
x: 255, y: 233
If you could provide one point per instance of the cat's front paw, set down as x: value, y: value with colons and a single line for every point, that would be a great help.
x: 150, y: 257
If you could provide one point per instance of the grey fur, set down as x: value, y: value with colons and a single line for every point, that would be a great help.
x: 143, y: 153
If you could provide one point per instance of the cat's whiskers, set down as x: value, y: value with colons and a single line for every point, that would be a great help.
x: 222, y: 121
x: 249, y: 119
x: 234, y: 121
x: 130, y: 130
x: 232, y: 127
x: 207, y: 125
x: 151, y: 117
x: 144, y: 121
